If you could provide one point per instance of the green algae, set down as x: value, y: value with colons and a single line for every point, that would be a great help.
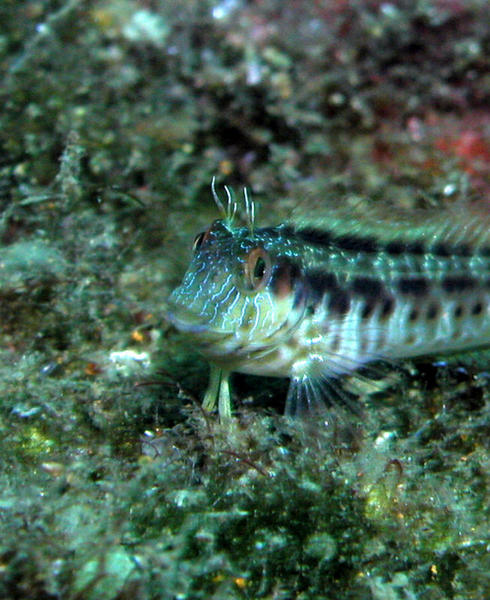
x: 30, y: 260
x: 113, y: 482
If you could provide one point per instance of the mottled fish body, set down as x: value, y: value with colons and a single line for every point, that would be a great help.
x: 318, y: 299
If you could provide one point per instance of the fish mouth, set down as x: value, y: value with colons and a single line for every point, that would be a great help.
x: 194, y: 324
x: 211, y: 343
x: 215, y: 344
x: 187, y: 323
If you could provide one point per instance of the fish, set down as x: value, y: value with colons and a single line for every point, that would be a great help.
x: 319, y: 297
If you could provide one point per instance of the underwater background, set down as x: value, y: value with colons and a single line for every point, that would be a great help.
x: 115, y: 117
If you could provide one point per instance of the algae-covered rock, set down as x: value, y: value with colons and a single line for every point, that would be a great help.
x: 114, y: 484
x: 29, y: 262
x: 104, y: 578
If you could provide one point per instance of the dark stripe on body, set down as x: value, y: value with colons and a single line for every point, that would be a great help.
x: 397, y: 247
x: 416, y: 286
x: 324, y: 286
x: 356, y: 243
x: 316, y: 237
x: 339, y: 302
x: 369, y: 244
x: 446, y: 250
x: 321, y: 282
x: 369, y: 287
x: 318, y: 283
x: 374, y: 294
x: 326, y: 239
x: 455, y: 284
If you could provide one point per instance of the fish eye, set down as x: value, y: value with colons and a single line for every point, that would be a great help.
x: 217, y: 230
x: 257, y: 269
x: 198, y: 240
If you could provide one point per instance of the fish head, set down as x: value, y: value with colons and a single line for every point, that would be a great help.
x: 241, y: 296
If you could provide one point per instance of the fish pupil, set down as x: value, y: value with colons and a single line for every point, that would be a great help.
x: 259, y: 269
